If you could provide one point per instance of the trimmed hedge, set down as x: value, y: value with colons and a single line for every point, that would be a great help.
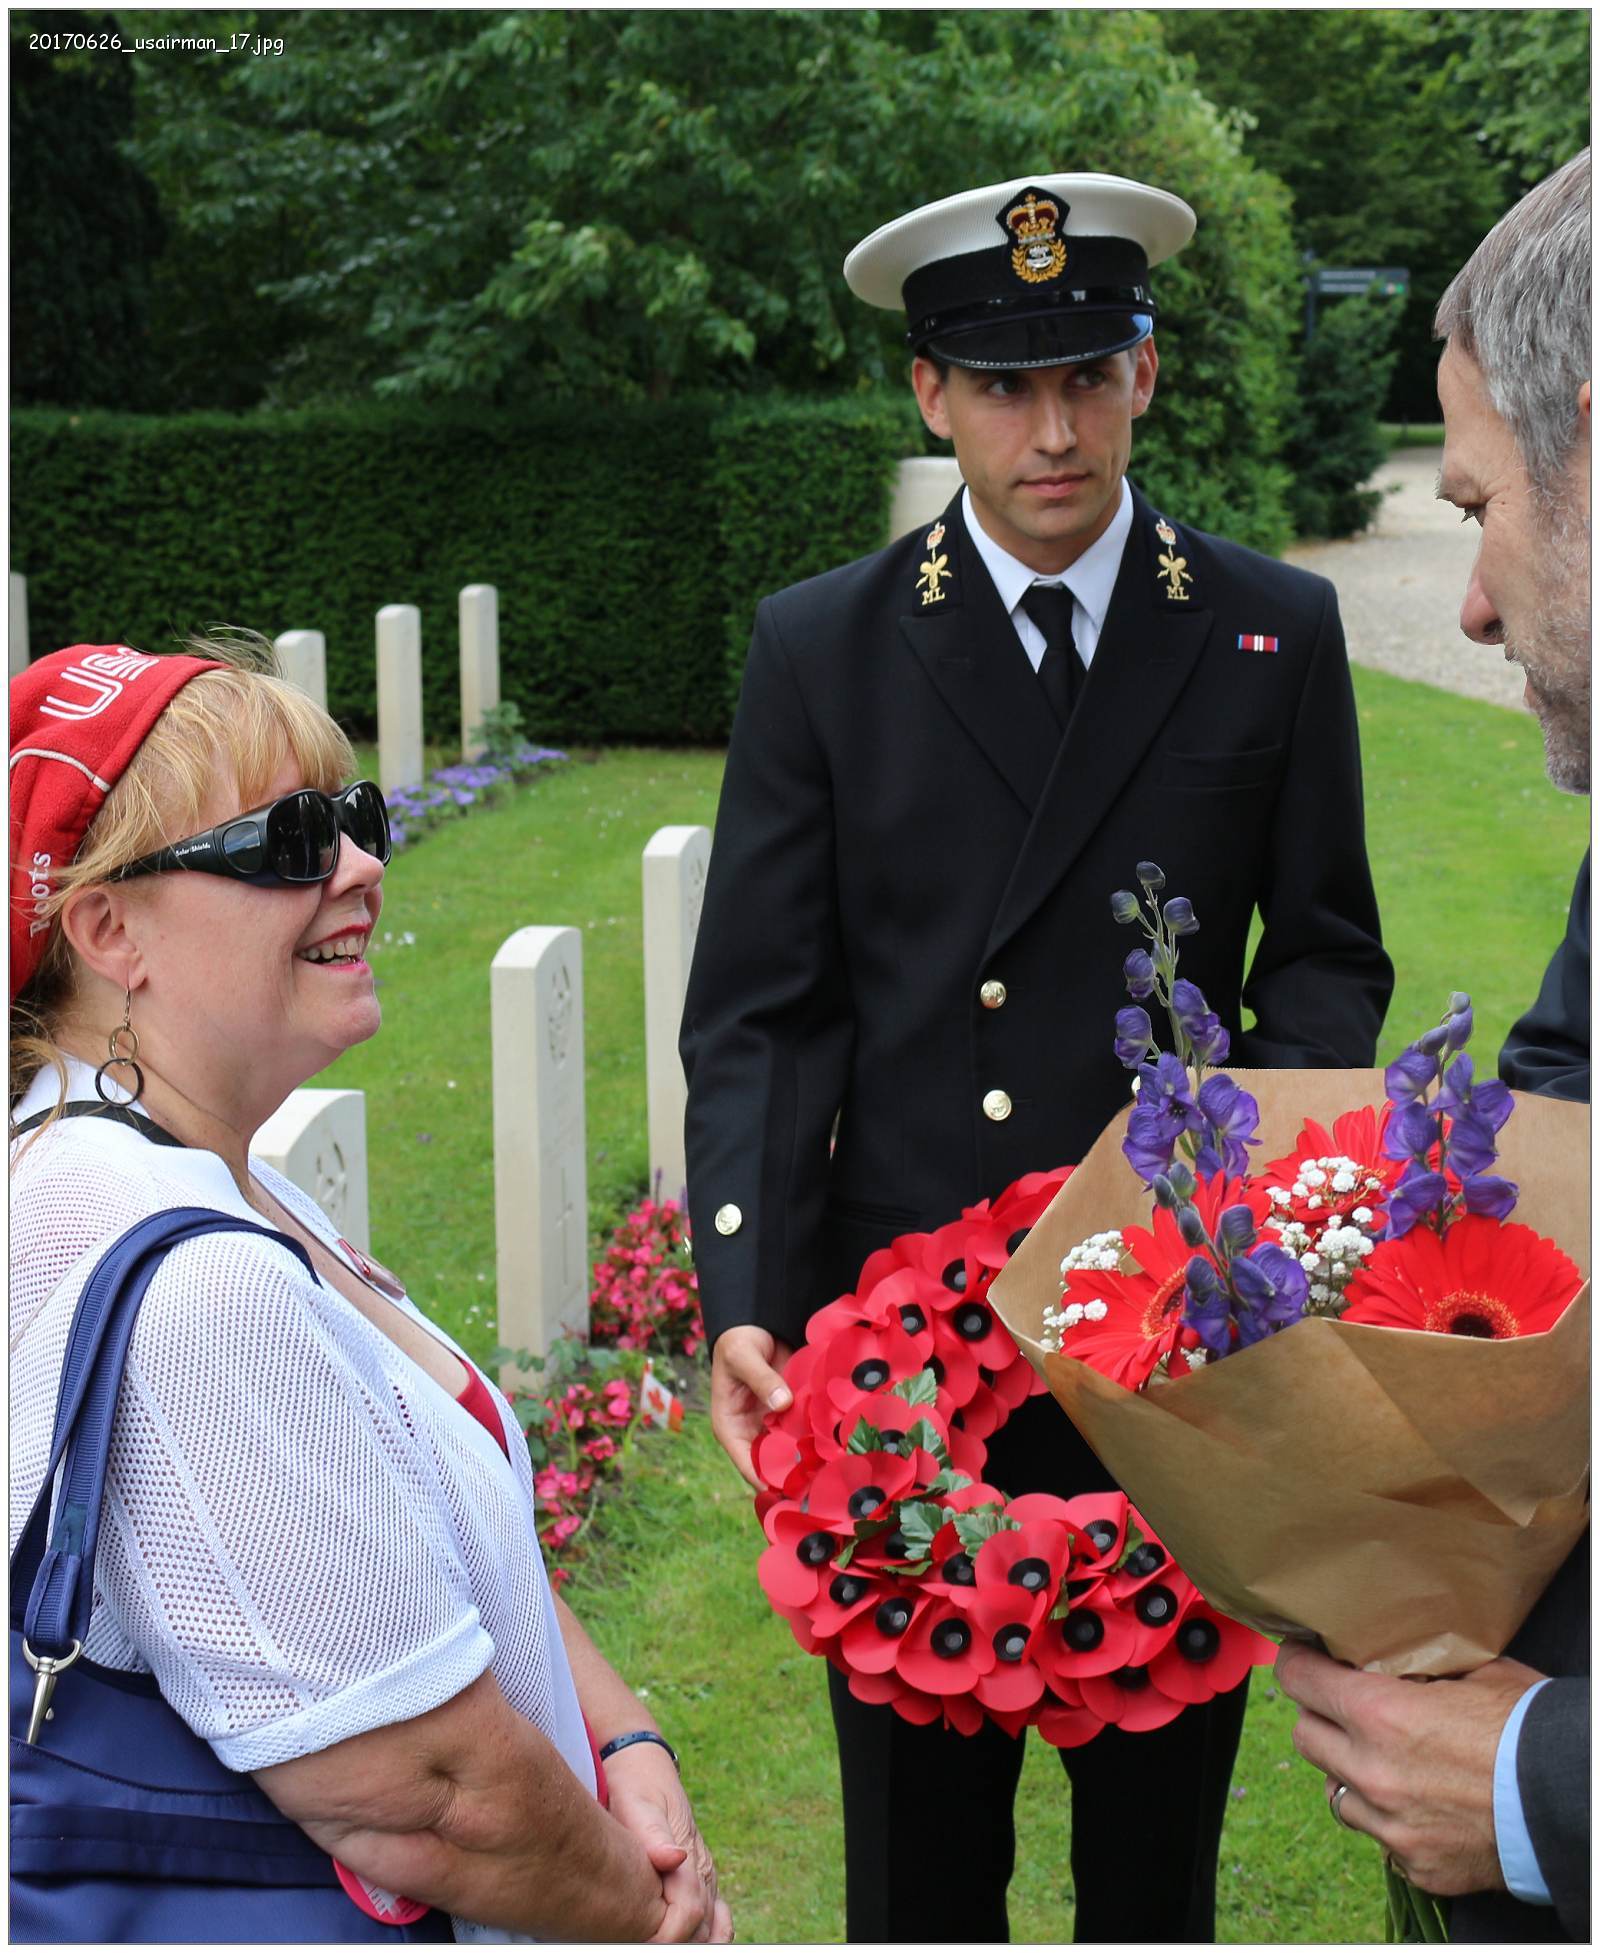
x: 629, y: 551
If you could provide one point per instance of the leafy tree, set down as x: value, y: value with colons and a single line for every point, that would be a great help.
x: 84, y: 223
x: 1363, y: 115
x: 1528, y: 72
x: 505, y: 205
x: 1334, y: 440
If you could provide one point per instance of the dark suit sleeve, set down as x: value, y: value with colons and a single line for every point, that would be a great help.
x: 1320, y: 981
x: 1553, y: 1779
x: 767, y: 1031
x: 1548, y: 1046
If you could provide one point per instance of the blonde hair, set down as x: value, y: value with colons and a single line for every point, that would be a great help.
x: 243, y: 722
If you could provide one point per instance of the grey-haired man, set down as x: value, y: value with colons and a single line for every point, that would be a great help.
x: 1479, y: 1787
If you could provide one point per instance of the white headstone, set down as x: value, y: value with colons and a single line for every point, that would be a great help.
x: 924, y: 488
x: 303, y: 660
x: 541, y: 1198
x: 318, y: 1139
x: 675, y: 860
x: 19, y: 624
x: 399, y: 696
x: 480, y: 661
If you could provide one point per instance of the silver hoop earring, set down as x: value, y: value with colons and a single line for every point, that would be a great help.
x: 117, y: 1056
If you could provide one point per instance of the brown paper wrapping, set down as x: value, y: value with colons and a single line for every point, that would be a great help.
x: 1405, y: 1496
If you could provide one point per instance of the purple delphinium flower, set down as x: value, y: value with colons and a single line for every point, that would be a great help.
x: 1272, y: 1286
x: 1409, y: 1076
x: 1207, y: 1306
x: 1198, y: 1022
x: 1236, y: 1230
x: 1139, y: 975
x: 1229, y: 1119
x: 1124, y: 906
x: 1487, y: 1193
x: 1153, y: 1133
x: 1415, y: 1195
x: 1178, y: 915
x: 1132, y: 1042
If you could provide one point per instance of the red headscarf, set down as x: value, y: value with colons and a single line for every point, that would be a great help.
x: 77, y: 719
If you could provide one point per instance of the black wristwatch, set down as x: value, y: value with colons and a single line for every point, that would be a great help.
x: 638, y: 1736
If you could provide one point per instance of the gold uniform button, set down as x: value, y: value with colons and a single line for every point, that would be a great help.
x: 996, y: 1105
x: 993, y: 994
x: 729, y: 1220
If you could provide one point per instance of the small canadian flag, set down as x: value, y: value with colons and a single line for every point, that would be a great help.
x: 658, y: 1408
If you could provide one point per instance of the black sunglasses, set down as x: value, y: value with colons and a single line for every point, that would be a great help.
x: 295, y: 839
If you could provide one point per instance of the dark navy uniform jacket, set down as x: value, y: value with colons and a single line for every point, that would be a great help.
x: 902, y: 824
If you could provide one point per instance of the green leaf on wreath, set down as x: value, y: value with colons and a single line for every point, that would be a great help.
x: 923, y: 1437
x: 948, y: 1480
x: 923, y: 1388
x: 1130, y: 1546
x: 865, y: 1437
x: 1062, y: 1608
x: 982, y: 1523
x: 920, y: 1519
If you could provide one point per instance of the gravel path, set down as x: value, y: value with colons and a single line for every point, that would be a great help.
x: 1400, y: 587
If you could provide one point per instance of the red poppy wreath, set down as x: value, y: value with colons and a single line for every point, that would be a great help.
x: 929, y: 1589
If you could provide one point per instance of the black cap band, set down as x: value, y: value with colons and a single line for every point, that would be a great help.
x: 985, y: 287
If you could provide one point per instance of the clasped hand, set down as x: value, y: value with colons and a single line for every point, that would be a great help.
x: 648, y: 1800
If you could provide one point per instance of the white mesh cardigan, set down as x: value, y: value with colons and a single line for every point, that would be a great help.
x: 304, y: 1536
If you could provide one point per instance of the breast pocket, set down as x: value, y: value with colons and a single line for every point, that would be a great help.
x: 1248, y: 769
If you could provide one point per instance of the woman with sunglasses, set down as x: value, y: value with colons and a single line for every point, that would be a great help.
x: 318, y: 1529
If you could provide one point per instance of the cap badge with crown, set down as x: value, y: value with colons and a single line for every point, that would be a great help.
x: 1037, y: 253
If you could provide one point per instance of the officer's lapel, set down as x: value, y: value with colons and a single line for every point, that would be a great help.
x: 1148, y: 648
x: 969, y: 649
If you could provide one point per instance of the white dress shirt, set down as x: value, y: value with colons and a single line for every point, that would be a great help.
x: 1090, y: 579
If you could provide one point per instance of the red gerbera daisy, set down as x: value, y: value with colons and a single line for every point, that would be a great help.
x: 1139, y: 1317
x: 1481, y: 1278
x: 1321, y: 1199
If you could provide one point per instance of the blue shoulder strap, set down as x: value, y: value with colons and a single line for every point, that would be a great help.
x: 59, y: 1583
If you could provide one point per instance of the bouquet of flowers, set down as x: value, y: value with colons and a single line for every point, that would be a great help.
x: 1378, y: 1378
x: 930, y: 1589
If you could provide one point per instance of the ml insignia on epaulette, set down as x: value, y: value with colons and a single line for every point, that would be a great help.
x: 935, y: 569
x: 1173, y: 567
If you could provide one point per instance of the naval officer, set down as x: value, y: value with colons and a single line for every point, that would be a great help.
x: 945, y: 757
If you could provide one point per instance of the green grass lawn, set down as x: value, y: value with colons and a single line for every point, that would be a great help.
x: 1473, y: 855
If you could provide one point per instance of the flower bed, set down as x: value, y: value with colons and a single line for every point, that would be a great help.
x: 645, y: 1294
x: 453, y: 790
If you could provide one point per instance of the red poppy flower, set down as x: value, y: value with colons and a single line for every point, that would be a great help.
x: 898, y: 1695
x: 1130, y: 1699
x: 1143, y: 1319
x: 1008, y: 1619
x: 939, y: 1653
x: 1356, y: 1136
x: 863, y: 1487
x: 865, y: 1359
x: 1481, y: 1278
x: 1093, y: 1639
x: 905, y: 1298
x: 1030, y: 1559
x: 785, y: 1463
x: 842, y: 1596
x: 1208, y: 1655
x: 1067, y: 1721
x: 871, y: 1641
x: 963, y: 1713
x: 1100, y: 1520
x: 995, y: 1230
x: 794, y: 1567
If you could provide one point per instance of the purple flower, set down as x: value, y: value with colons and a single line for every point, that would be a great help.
x: 1190, y: 1226
x: 1124, y: 906
x: 1487, y: 1193
x: 1229, y: 1117
x: 1409, y: 1076
x: 1132, y: 1042
x: 1458, y: 1027
x: 1206, y: 1306
x: 1417, y: 1193
x: 1236, y: 1230
x: 1139, y: 974
x: 1272, y: 1286
x: 1178, y: 915
x: 1456, y: 1090
x: 1413, y: 1132
x: 1150, y: 876
x: 1153, y: 1132
x: 1470, y: 1146
x: 1199, y: 1023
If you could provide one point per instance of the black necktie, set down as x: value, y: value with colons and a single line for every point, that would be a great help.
x: 1060, y: 669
